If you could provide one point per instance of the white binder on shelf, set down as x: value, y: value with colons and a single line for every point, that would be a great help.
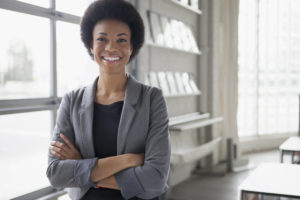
x: 172, y: 83
x: 156, y: 30
x: 167, y: 32
x: 153, y: 80
x: 179, y: 83
x: 177, y: 37
x: 193, y: 85
x: 163, y: 83
x: 192, y: 40
x: 195, y: 4
x: 186, y: 83
x: 187, y: 46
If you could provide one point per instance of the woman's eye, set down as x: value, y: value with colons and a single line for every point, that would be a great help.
x: 122, y: 40
x: 101, y: 39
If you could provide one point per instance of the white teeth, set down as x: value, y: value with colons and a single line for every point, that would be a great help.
x: 111, y: 58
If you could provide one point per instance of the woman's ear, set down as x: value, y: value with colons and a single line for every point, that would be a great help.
x: 91, y: 47
x: 131, y: 50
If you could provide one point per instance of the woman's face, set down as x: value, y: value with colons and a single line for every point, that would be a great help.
x: 111, y: 45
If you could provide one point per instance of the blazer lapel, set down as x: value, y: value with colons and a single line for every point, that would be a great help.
x: 128, y: 112
x: 86, y: 119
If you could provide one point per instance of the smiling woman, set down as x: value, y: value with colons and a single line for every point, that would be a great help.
x: 111, y: 46
x: 111, y: 138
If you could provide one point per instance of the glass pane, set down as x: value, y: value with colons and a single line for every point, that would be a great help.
x: 75, y: 68
x: 76, y: 7
x: 268, y: 49
x: 23, y: 153
x: 247, y: 82
x: 24, y: 56
x: 42, y: 3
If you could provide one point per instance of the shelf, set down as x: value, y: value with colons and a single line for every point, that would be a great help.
x: 197, y: 11
x: 193, y: 154
x: 182, y: 95
x: 187, y: 118
x: 195, y: 125
x: 151, y: 44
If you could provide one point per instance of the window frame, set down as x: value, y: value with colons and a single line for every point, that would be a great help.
x: 13, y: 106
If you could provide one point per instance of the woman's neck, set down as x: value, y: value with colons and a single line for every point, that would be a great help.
x: 111, y: 84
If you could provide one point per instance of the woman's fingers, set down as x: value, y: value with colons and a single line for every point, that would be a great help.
x: 57, y: 152
x: 61, y: 150
x: 67, y: 141
x: 73, y: 152
x: 65, y: 151
x: 59, y: 145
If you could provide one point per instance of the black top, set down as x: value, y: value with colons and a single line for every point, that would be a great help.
x: 105, y: 128
x: 105, y: 131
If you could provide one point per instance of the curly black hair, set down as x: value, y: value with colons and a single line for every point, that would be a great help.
x: 113, y: 9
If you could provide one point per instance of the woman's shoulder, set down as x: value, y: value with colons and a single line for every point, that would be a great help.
x: 152, y: 92
x: 145, y: 89
x: 76, y: 93
x: 82, y: 92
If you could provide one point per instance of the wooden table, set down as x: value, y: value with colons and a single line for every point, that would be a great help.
x: 278, y: 179
x: 290, y: 146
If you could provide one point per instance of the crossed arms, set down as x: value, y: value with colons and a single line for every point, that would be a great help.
x: 105, y: 168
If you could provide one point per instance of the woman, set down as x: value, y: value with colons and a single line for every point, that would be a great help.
x: 111, y: 138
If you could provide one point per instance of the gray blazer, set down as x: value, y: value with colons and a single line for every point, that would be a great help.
x: 143, y: 128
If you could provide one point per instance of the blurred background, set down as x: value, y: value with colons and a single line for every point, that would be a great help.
x: 229, y: 70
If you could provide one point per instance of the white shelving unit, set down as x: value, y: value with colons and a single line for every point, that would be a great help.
x: 186, y: 123
x: 193, y: 154
x: 195, y: 124
x: 174, y: 121
x: 183, y: 123
x: 153, y: 45
x: 189, y: 8
x: 182, y: 95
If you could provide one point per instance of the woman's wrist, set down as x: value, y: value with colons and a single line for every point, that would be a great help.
x: 128, y: 160
x: 134, y: 160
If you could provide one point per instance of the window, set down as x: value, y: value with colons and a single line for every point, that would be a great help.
x: 23, y: 151
x: 24, y: 56
x: 269, y: 72
x: 75, y: 68
x: 77, y: 7
x: 41, y: 58
x: 42, y: 3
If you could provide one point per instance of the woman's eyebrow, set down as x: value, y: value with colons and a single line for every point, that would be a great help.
x: 101, y: 33
x: 120, y: 34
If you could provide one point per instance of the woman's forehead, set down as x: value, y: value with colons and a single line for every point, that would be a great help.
x: 112, y: 26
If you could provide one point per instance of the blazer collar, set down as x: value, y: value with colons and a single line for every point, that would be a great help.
x: 132, y: 93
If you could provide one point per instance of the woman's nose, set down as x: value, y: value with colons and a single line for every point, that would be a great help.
x: 110, y: 46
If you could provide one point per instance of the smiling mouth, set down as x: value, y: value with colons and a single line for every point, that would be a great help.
x: 111, y: 58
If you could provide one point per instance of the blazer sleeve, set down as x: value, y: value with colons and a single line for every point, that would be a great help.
x: 150, y: 180
x: 68, y: 173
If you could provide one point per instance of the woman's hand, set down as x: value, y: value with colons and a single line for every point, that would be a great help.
x: 64, y: 151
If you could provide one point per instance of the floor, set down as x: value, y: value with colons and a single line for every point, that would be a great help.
x: 219, y: 187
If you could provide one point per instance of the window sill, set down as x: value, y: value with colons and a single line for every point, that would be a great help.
x: 261, y: 143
